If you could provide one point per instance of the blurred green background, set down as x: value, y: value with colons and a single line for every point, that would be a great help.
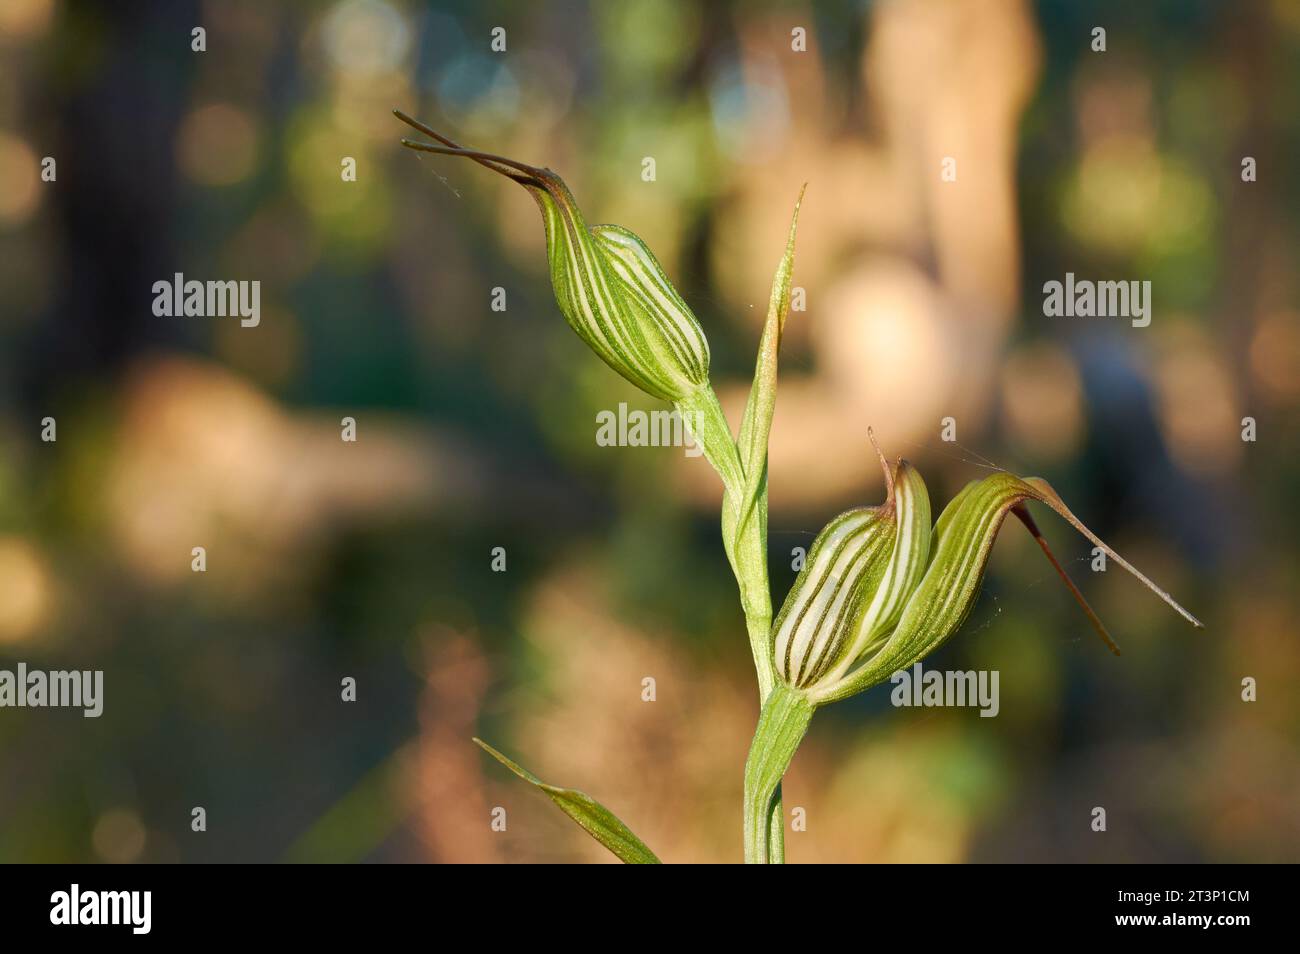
x: 476, y: 428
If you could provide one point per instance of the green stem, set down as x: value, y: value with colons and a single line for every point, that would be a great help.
x: 776, y: 830
x: 760, y: 642
x: 703, y: 414
x: 747, y: 554
x: 781, y: 727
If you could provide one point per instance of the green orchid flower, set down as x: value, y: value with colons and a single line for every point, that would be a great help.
x: 880, y: 592
x: 608, y: 284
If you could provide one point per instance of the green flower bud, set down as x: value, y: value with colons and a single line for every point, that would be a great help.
x: 909, y: 503
x: 609, y: 286
x: 846, y: 564
x: 858, y: 575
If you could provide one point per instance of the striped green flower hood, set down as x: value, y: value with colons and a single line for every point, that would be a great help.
x: 881, y: 589
x: 608, y: 284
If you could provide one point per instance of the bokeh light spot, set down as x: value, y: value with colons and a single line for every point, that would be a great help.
x: 217, y: 145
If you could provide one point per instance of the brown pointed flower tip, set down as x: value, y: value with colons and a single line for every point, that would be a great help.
x: 608, y: 284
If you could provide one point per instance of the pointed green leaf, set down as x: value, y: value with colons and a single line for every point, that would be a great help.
x: 595, y: 818
x: 744, y: 505
x: 757, y: 421
x: 756, y: 425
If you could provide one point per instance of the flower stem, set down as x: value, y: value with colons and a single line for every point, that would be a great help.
x: 776, y: 830
x: 702, y: 413
x: 781, y: 727
x: 747, y: 554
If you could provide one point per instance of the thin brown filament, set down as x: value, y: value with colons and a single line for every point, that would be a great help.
x: 1025, y: 518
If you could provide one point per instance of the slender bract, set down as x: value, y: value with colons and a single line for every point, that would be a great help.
x: 744, y: 513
